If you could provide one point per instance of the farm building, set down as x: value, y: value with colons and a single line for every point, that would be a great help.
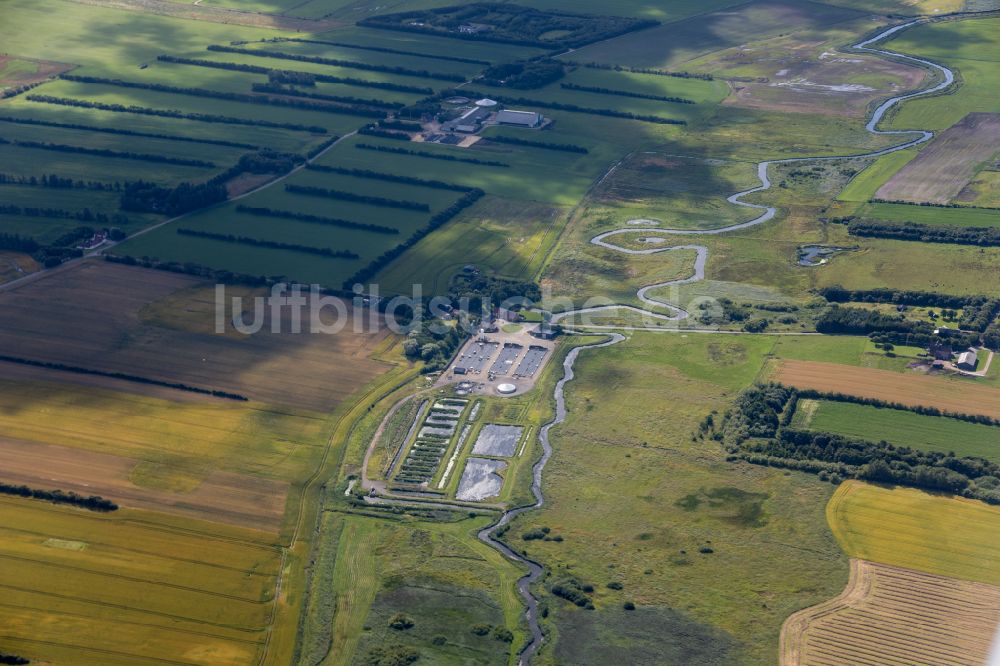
x: 469, y: 121
x: 967, y: 360
x: 941, y: 352
x: 519, y: 118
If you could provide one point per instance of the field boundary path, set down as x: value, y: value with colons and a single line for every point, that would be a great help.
x: 677, y: 313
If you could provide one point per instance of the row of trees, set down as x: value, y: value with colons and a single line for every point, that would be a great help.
x: 105, y: 152
x: 378, y: 132
x: 641, y: 70
x: 288, y: 75
x: 574, y: 108
x: 389, y: 177
x: 564, y: 147
x: 757, y: 430
x: 83, y: 215
x: 274, y: 245
x: 436, y: 221
x: 811, y: 394
x: 123, y: 376
x: 378, y: 49
x: 92, y: 502
x: 278, y: 89
x: 429, y: 155
x: 911, y: 231
x: 173, y: 113
x: 315, y: 219
x: 125, y: 132
x: 625, y: 93
x: 142, y: 196
x: 891, y: 328
x: 230, y: 96
x: 384, y: 202
x: 978, y: 312
x: 349, y: 64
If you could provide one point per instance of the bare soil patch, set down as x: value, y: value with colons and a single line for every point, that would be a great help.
x: 217, y: 14
x: 96, y: 315
x: 236, y: 499
x: 890, y: 615
x: 942, y: 169
x: 17, y: 71
x: 955, y: 395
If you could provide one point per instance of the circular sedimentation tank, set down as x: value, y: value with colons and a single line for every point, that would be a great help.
x: 506, y: 389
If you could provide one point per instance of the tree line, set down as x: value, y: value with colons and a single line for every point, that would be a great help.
x: 125, y: 132
x: 379, y: 132
x: 923, y: 410
x: 978, y: 312
x: 123, y: 376
x: 243, y: 98
x: 309, y: 190
x: 757, y: 430
x: 429, y: 155
x: 274, y: 245
x: 924, y: 233
x: 896, y: 329
x: 84, y: 215
x: 105, y: 152
x: 574, y: 108
x: 315, y: 219
x: 288, y: 75
x: 392, y: 178
x: 625, y: 93
x: 349, y: 64
x: 278, y: 89
x: 91, y: 503
x: 173, y: 113
x: 403, y: 125
x: 436, y: 221
x: 641, y: 70
x: 564, y: 147
x: 378, y: 49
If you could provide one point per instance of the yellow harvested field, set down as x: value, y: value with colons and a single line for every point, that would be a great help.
x: 954, y: 394
x: 124, y: 588
x: 905, y: 527
x: 889, y: 616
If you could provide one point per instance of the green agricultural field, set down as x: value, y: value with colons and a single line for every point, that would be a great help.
x: 864, y: 185
x: 964, y: 217
x: 900, y: 427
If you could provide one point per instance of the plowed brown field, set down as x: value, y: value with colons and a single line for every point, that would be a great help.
x: 951, y: 394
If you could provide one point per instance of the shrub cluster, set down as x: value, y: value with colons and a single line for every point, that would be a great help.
x: 309, y: 190
x: 125, y: 132
x: 436, y: 221
x: 123, y: 376
x: 275, y: 245
x: 173, y: 113
x: 564, y: 147
x: 429, y: 155
x: 392, y: 178
x: 625, y: 93
x: 323, y: 78
x: 93, y: 502
x: 315, y: 219
x: 349, y: 64
x: 104, y: 152
x: 524, y: 75
x: 152, y: 198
